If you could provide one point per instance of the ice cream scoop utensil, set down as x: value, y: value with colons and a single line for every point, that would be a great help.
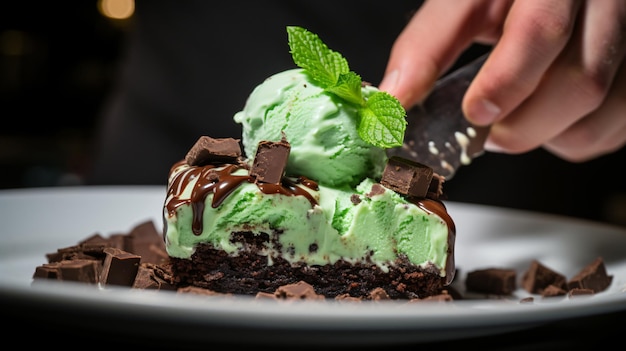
x: 438, y: 134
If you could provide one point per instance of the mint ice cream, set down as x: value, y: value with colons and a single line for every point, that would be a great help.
x: 309, y: 194
x: 322, y: 129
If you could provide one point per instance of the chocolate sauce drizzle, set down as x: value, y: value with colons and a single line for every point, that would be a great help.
x: 220, y: 181
x: 437, y: 207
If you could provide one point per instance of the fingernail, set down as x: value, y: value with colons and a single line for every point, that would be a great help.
x: 483, y: 111
x: 390, y: 81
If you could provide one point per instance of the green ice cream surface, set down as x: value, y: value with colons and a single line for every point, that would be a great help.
x: 321, y: 128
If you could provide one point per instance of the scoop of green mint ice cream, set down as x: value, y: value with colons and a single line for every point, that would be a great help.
x: 322, y: 130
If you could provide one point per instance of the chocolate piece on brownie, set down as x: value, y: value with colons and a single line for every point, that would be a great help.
x: 270, y: 161
x: 593, y: 277
x: 538, y: 277
x: 208, y: 150
x: 498, y: 281
x: 407, y: 177
x: 435, y: 189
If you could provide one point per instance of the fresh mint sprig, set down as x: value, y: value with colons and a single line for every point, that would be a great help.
x: 382, y: 119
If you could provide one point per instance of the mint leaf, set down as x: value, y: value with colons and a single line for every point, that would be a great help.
x: 381, y: 116
x: 382, y: 121
x: 348, y: 87
x: 310, y: 53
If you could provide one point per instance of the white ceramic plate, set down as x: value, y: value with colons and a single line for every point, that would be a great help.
x: 38, y: 221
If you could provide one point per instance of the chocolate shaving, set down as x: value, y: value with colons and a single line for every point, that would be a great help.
x: 208, y: 150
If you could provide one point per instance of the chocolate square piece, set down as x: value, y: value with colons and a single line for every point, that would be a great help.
x: 47, y: 271
x: 538, y: 277
x: 119, y: 268
x: 270, y: 161
x: 208, y: 150
x: 435, y: 190
x: 593, y: 277
x: 144, y: 240
x: 407, y: 177
x: 498, y: 281
x: 85, y: 271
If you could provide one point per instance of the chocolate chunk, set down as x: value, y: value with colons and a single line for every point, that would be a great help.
x: 151, y: 276
x: 77, y: 269
x: 537, y: 277
x: 213, y: 151
x: 552, y: 291
x: 270, y: 161
x: 85, y: 271
x: 593, y: 277
x: 300, y: 290
x: 47, y: 271
x: 498, y: 281
x: 119, y: 267
x: 144, y: 240
x: 407, y: 177
x: 377, y: 189
x: 435, y: 189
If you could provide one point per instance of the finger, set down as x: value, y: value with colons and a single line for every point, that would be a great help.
x: 575, y: 85
x: 534, y: 34
x: 429, y: 45
x: 601, y: 132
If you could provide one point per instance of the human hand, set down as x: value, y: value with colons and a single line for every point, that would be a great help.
x: 556, y: 77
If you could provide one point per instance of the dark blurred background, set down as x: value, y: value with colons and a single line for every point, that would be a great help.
x: 57, y: 61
